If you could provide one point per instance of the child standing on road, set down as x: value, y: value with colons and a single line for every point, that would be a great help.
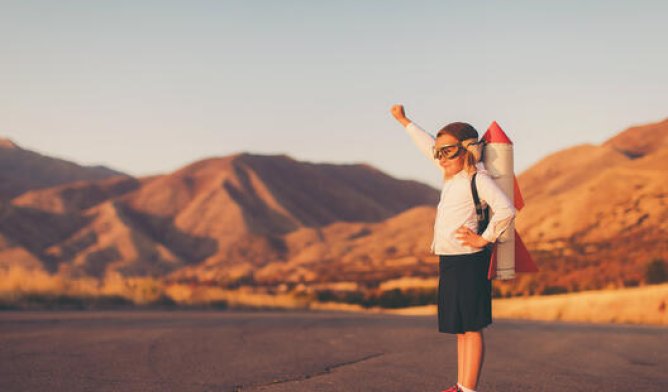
x: 464, y: 291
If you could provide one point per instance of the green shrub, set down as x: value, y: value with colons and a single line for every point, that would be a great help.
x: 395, y: 298
x: 110, y: 302
x: 51, y: 301
x: 163, y: 301
x: 219, y: 304
x: 551, y: 290
x: 631, y: 283
x: 656, y: 272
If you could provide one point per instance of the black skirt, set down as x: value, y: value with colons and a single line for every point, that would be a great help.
x: 464, y: 293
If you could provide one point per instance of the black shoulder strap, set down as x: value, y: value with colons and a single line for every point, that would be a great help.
x: 474, y: 191
x: 482, y: 213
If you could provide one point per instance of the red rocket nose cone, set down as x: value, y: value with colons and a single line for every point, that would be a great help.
x: 495, y: 134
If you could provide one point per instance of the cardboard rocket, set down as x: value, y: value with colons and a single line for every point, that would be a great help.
x: 509, y: 254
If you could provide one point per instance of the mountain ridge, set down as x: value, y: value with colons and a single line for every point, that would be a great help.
x: 22, y: 170
x: 594, y: 216
x: 219, y: 211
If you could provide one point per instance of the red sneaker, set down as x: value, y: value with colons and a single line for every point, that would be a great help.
x: 454, y: 388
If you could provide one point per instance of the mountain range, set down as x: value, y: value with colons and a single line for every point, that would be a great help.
x: 595, y: 215
x: 22, y: 170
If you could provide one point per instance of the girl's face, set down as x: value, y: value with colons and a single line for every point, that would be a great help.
x: 451, y: 166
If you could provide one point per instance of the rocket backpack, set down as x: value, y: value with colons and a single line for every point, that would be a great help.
x: 509, y: 255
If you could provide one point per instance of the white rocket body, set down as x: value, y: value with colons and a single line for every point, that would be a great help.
x: 499, y: 162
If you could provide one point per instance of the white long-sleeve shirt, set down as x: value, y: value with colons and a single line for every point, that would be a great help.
x: 456, y: 207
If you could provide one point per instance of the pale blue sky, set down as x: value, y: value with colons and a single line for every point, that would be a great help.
x: 149, y: 86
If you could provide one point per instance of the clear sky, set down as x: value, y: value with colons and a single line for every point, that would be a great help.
x: 146, y: 87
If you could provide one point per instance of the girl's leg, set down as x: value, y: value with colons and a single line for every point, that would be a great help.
x: 475, y: 351
x: 461, y: 357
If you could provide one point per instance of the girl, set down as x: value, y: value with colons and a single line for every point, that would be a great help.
x: 464, y: 292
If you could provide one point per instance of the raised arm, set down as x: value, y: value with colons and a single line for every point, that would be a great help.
x: 422, y: 139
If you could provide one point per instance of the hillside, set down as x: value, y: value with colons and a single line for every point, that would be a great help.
x: 22, y: 170
x: 220, y: 217
x: 596, y: 215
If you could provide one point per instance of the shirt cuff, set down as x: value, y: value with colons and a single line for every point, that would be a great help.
x: 488, y: 236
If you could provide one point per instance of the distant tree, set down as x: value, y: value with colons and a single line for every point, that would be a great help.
x: 162, y: 301
x: 575, y: 287
x: 631, y: 283
x: 551, y: 290
x: 496, y: 292
x: 656, y: 272
x: 326, y: 296
x: 394, y: 298
x: 353, y: 297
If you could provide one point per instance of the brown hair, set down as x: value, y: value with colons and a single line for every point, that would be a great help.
x: 463, y: 131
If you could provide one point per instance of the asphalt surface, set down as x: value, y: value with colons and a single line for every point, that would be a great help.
x: 314, y: 351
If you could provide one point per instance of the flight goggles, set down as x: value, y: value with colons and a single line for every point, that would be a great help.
x: 452, y: 151
x: 449, y: 151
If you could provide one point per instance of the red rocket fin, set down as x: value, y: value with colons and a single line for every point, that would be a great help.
x: 523, y: 260
x: 491, y: 272
x: 517, y: 195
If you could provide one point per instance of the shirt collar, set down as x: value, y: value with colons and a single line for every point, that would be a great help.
x: 462, y: 174
x: 480, y: 167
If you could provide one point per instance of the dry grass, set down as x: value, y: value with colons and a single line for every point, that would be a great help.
x: 240, y: 298
x: 17, y: 284
x: 409, y: 283
x: 638, y: 305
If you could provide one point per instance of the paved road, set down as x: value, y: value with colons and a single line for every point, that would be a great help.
x: 313, y: 351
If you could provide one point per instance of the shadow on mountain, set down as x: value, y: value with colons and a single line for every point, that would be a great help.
x: 161, y: 230
x: 36, y: 230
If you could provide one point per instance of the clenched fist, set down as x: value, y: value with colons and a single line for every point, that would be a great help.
x: 398, y: 113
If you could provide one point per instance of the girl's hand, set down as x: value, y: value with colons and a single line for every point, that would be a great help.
x: 469, y: 238
x: 398, y: 113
